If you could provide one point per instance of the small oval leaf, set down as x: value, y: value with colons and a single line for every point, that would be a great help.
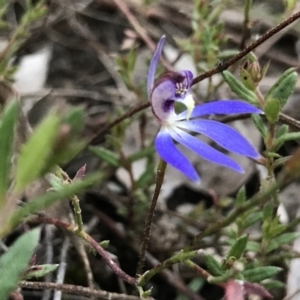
x: 238, y: 88
x: 238, y: 247
x: 260, y: 273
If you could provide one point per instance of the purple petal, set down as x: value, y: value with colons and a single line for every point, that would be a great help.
x: 170, y: 154
x: 222, y: 134
x: 221, y: 107
x: 153, y: 64
x: 204, y: 150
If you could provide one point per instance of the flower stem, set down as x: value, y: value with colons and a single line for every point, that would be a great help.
x: 161, y: 168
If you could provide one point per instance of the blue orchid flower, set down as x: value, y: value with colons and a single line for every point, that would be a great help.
x: 173, y: 87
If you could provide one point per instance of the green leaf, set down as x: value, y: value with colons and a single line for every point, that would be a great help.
x: 283, y: 87
x: 275, y: 228
x: 15, y: 261
x: 55, y: 182
x: 252, y: 219
x: 283, y: 129
x: 195, y: 285
x: 238, y: 88
x: 267, y: 212
x: 64, y: 154
x: 145, y: 152
x: 253, y: 246
x: 238, y: 247
x: 36, y: 152
x: 221, y: 279
x: 286, y: 88
x: 283, y: 239
x: 246, y: 79
x: 259, y: 124
x: 131, y: 60
x: 272, y: 110
x: 232, y: 234
x: 104, y: 244
x: 75, y: 118
x: 227, y: 53
x: 146, y: 177
x: 272, y: 154
x: 108, y: 156
x: 213, y: 265
x: 260, y: 273
x: 241, y: 196
x: 8, y: 122
x: 39, y: 271
x: 290, y: 136
x: 281, y: 161
x: 271, y: 284
x: 50, y: 198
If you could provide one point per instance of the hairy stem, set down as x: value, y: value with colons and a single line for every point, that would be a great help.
x: 120, y: 273
x: 75, y: 290
x: 225, y: 65
x: 74, y: 199
x: 179, y: 257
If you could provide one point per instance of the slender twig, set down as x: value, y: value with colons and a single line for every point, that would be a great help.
x: 85, y: 259
x: 61, y: 272
x: 246, y: 27
x: 289, y: 120
x: 173, y: 279
x: 76, y: 290
x: 98, y: 135
x: 225, y: 65
x: 49, y: 233
x: 203, y: 273
x: 138, y: 28
x: 267, y: 46
x: 179, y: 257
x: 146, y: 235
x: 122, y: 6
x: 91, y: 242
x: 221, y: 67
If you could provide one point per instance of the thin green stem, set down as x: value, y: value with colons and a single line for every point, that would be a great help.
x: 74, y: 199
x: 146, y: 235
x: 182, y: 256
x: 258, y: 199
x: 77, y: 212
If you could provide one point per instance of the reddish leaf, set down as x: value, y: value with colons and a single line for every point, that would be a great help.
x: 80, y: 173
